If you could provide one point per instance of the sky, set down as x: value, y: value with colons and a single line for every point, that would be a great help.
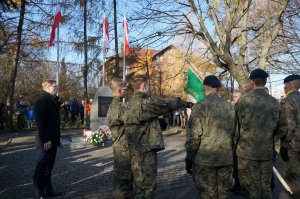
x: 276, y: 80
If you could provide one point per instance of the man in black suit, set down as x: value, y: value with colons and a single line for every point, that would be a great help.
x: 48, y: 138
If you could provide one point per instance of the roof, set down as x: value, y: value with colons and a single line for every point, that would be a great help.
x: 163, y: 51
x: 135, y: 52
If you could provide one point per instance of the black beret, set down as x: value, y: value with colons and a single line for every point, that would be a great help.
x: 212, y: 81
x: 291, y: 78
x: 258, y: 73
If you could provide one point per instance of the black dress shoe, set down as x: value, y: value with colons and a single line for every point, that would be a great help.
x: 236, y: 188
x: 53, y: 193
x: 43, y: 196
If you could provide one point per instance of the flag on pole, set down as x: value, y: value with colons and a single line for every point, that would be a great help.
x: 105, y: 34
x: 57, y: 20
x: 126, y: 41
x: 194, y: 90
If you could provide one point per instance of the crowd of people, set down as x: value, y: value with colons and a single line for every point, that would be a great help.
x: 223, y: 139
x: 176, y: 118
x: 74, y: 112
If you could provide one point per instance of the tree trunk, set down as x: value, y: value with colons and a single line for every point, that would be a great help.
x: 14, y: 70
x: 85, y: 70
x: 240, y: 77
x: 116, y: 41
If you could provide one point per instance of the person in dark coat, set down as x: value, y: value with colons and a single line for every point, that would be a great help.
x: 74, y: 110
x: 48, y: 138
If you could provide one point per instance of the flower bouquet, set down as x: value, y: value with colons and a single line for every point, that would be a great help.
x: 98, y: 137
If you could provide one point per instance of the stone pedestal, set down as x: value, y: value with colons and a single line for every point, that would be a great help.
x: 101, y: 103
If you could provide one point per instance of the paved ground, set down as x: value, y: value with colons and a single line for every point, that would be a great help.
x: 84, y: 171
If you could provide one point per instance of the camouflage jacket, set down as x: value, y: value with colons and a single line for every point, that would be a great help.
x: 115, y: 122
x: 258, y: 114
x: 289, y: 126
x: 141, y: 121
x: 211, y: 132
x: 281, y: 130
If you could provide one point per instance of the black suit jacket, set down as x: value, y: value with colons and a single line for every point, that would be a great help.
x: 47, y: 119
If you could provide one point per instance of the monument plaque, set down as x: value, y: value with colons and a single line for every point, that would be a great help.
x: 103, y: 105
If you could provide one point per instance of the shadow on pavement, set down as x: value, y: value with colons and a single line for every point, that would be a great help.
x: 84, y: 171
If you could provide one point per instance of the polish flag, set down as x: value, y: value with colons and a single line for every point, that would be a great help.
x: 105, y: 34
x: 57, y: 20
x: 126, y: 42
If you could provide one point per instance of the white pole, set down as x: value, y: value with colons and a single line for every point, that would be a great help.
x: 124, y: 65
x: 57, y: 61
x: 124, y: 62
x: 124, y: 48
x: 103, y: 71
x: 282, y: 181
x: 124, y: 53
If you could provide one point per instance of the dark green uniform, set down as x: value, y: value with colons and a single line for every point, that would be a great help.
x: 211, y: 136
x: 258, y: 114
x: 289, y: 127
x: 122, y: 175
x: 145, y: 139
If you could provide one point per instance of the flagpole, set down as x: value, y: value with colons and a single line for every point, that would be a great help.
x: 124, y: 60
x: 124, y: 50
x: 103, y: 71
x: 124, y: 54
x: 57, y: 61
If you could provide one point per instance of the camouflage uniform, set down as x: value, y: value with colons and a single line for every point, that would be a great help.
x: 258, y: 114
x: 289, y: 132
x: 122, y: 176
x: 211, y: 136
x: 145, y: 139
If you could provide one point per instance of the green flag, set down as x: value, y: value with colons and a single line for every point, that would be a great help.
x: 194, y: 87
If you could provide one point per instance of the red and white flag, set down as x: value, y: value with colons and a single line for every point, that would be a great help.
x: 105, y: 34
x: 126, y: 41
x: 57, y: 20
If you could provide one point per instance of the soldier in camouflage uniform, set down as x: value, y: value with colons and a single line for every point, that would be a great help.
x: 122, y: 175
x: 211, y: 136
x: 289, y: 132
x: 258, y: 114
x: 144, y: 135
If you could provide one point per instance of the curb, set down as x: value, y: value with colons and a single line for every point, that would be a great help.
x: 7, y: 143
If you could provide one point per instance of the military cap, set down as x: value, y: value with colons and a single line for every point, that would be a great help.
x: 258, y: 73
x: 212, y: 81
x: 291, y: 78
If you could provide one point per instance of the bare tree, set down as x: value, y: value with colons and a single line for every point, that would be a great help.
x: 237, y: 35
x: 14, y: 70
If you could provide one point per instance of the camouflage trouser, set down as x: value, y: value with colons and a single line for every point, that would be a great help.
x: 255, y: 177
x: 144, y: 168
x: 122, y: 175
x: 212, y: 182
x: 292, y: 171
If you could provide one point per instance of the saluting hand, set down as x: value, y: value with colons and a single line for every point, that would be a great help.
x: 47, y: 145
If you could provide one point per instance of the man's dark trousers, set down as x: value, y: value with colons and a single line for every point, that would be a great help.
x: 43, y: 170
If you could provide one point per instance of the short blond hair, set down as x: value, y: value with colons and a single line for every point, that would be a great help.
x: 117, y: 83
x: 48, y: 82
x: 237, y: 91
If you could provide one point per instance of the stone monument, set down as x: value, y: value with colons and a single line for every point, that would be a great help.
x: 101, y: 103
